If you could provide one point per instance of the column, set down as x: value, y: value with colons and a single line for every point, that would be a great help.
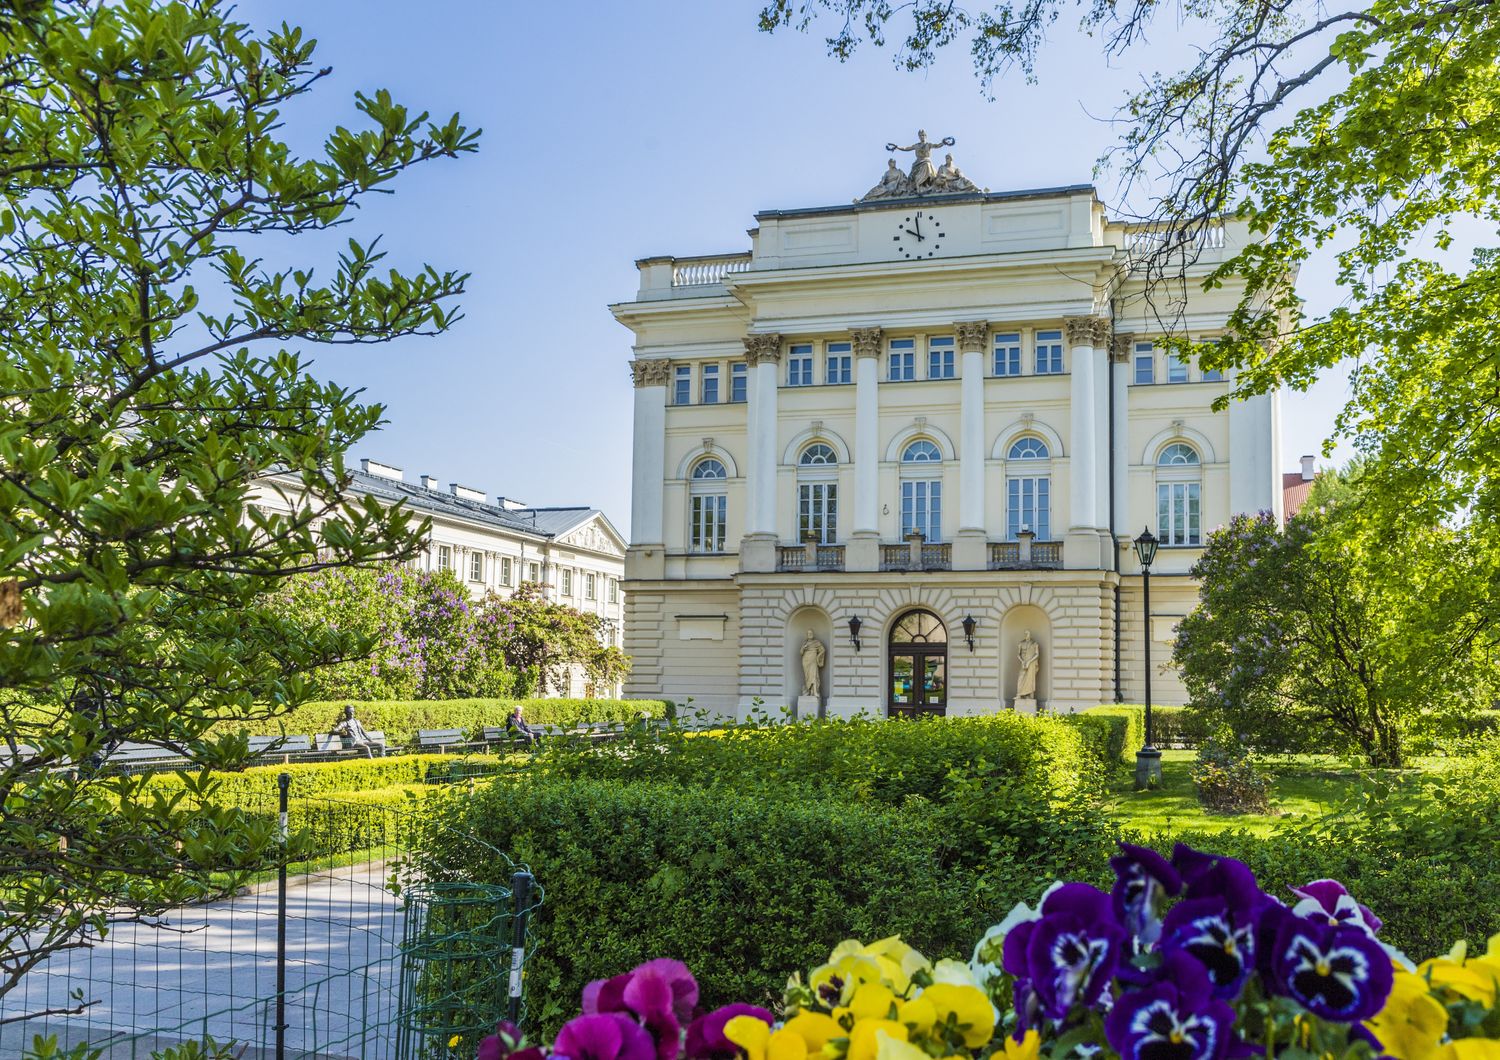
x: 862, y: 549
x: 648, y: 468
x: 1082, y: 547
x: 758, y: 548
x: 1252, y: 443
x: 970, y: 545
x: 1124, y: 523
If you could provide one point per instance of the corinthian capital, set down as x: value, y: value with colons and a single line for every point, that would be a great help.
x: 866, y: 341
x: 650, y: 373
x: 972, y: 335
x: 1087, y: 331
x: 1120, y: 350
x: 762, y: 348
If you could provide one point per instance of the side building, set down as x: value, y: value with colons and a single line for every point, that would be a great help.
x: 922, y: 431
x: 496, y: 545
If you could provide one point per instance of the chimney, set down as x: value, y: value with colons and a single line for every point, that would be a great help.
x: 379, y: 470
x: 1307, y: 469
x: 429, y: 482
x: 509, y: 505
x: 467, y: 493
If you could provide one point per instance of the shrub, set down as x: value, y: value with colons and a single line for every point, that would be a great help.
x: 1227, y: 778
x: 1173, y: 727
x: 356, y: 775
x: 1127, y: 729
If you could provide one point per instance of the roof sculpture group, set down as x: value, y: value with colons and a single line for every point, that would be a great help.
x: 924, y: 178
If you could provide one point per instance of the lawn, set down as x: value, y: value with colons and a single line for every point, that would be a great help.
x: 1304, y: 786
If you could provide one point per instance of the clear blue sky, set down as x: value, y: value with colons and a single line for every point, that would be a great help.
x: 618, y: 130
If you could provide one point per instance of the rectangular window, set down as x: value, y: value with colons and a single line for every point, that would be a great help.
x: 940, y: 358
x: 533, y: 572
x: 1176, y: 369
x: 710, y: 387
x: 818, y: 511
x: 739, y: 381
x: 799, y: 365
x: 614, y: 591
x: 588, y: 586
x: 445, y: 558
x: 903, y: 360
x: 476, y: 567
x: 1145, y: 363
x: 505, y: 570
x: 682, y: 388
x: 922, y: 508
x: 1028, y: 506
x: 1049, y: 352
x: 840, y: 364
x: 708, y: 513
x: 1213, y: 375
x: 1008, y: 354
x: 1177, y: 513
x: 565, y: 581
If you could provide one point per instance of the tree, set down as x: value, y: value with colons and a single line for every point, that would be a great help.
x: 139, y: 162
x: 544, y: 640
x: 1373, y: 124
x: 1313, y: 636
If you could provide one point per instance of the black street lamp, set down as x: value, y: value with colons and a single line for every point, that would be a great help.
x: 1148, y: 758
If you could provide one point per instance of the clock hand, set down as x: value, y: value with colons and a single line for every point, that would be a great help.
x: 909, y: 232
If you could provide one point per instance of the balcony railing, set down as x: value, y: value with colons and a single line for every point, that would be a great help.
x: 694, y: 272
x: 1143, y: 241
x: 1009, y: 555
x: 820, y: 558
x: 937, y: 557
x: 791, y: 557
x: 830, y: 557
x: 895, y: 557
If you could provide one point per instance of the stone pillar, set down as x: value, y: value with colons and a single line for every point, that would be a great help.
x: 648, y: 468
x: 1081, y: 549
x: 970, y: 543
x: 1124, y: 519
x: 758, y: 547
x: 862, y: 549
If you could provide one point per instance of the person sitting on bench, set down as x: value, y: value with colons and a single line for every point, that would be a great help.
x: 516, y: 721
x: 354, y: 733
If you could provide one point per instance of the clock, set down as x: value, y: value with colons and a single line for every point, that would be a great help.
x: 918, y: 235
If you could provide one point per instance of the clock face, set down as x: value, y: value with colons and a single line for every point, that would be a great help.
x: 918, y: 235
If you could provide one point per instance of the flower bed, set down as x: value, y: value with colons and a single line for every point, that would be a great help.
x: 1184, y: 958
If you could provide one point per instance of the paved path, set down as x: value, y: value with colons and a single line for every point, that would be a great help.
x: 211, y: 969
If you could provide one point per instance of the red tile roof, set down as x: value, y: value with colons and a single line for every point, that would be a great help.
x: 1294, y: 491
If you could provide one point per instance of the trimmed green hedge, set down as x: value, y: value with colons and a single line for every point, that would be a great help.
x: 400, y: 719
x: 350, y: 776
x: 1175, y: 727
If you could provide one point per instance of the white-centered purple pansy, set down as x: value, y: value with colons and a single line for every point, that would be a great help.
x: 1332, y: 970
x: 1070, y: 954
x: 1218, y: 937
x: 1174, y: 1018
x: 1144, y: 880
x: 1329, y: 900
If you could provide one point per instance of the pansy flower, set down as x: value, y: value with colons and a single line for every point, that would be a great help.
x: 1222, y: 941
x: 661, y: 993
x: 705, y: 1035
x: 607, y: 1036
x: 1211, y: 876
x: 1144, y: 880
x: 1336, y: 972
x: 1176, y: 1018
x: 1329, y: 900
x: 505, y: 1044
x: 1072, y: 952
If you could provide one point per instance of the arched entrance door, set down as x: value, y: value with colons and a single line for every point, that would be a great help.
x: 918, y: 656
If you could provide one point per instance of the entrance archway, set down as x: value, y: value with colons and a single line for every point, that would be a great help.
x: 917, y: 662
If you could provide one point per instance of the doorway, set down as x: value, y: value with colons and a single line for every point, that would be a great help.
x: 918, y: 656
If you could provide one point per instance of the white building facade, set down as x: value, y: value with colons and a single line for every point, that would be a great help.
x: 921, y: 426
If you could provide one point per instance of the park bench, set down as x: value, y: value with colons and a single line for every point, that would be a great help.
x: 132, y: 757
x: 442, y: 740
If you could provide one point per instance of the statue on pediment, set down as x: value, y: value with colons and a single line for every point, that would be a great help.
x: 951, y: 180
x: 923, y: 174
x: 924, y: 178
x: 893, y: 185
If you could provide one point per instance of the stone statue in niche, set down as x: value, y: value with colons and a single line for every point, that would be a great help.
x: 1029, y: 655
x: 814, y: 655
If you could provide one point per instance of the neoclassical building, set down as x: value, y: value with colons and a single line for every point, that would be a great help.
x: 920, y: 426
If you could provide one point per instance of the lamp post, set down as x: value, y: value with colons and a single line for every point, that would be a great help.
x: 1148, y: 758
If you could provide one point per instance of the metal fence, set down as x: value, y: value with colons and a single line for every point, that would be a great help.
x: 343, y: 946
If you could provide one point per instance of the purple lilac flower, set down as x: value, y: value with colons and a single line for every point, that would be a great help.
x: 1330, y: 900
x: 705, y: 1035
x: 1221, y: 940
x: 1175, y: 1018
x: 1143, y: 881
x: 1071, y: 952
x: 608, y: 1036
x: 1334, y: 971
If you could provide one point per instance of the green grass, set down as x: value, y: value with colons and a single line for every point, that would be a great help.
x: 1303, y: 786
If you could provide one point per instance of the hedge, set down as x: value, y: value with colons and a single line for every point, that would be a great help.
x: 346, y: 777
x: 1174, y: 727
x: 400, y: 719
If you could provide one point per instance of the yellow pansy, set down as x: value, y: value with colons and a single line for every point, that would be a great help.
x: 918, y: 1014
x: 847, y: 967
x: 760, y: 1042
x: 863, y: 1044
x: 1476, y: 978
x: 1412, y: 1022
x: 958, y: 973
x: 1470, y: 1049
x: 814, y: 1028
x: 898, y: 961
x: 871, y: 1001
x: 970, y: 1008
x: 1028, y: 1048
x: 888, y: 1048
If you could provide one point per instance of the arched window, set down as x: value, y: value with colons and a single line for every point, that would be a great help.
x: 1028, y: 488
x: 922, y: 490
x: 1179, y: 490
x: 708, y: 506
x: 818, y: 494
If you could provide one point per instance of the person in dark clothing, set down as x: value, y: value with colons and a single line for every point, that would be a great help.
x: 517, y: 723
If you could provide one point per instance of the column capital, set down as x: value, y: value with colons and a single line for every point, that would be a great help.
x: 760, y: 348
x: 1120, y: 349
x: 972, y: 335
x: 1087, y: 331
x: 651, y: 373
x: 866, y: 341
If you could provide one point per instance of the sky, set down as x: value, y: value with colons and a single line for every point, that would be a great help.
x: 618, y: 130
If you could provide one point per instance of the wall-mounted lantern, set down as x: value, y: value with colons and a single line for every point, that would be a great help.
x: 854, y: 625
x: 969, y: 625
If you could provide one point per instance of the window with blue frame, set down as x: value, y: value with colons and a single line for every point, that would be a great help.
x: 739, y: 381
x: 1177, y: 370
x: 799, y: 365
x: 1049, y: 352
x: 709, y: 383
x: 682, y: 385
x: 840, y: 363
x: 903, y: 360
x: 1008, y: 354
x: 940, y: 358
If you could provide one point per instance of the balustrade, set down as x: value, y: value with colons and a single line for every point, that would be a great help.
x: 695, y: 272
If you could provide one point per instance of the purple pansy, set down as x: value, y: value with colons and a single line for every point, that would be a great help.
x: 1176, y: 1018
x: 1330, y: 900
x: 1073, y: 950
x: 661, y: 993
x: 705, y: 1035
x: 1143, y: 881
x: 505, y: 1043
x: 1336, y: 972
x: 1209, y: 876
x: 606, y: 1036
x: 1217, y: 937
